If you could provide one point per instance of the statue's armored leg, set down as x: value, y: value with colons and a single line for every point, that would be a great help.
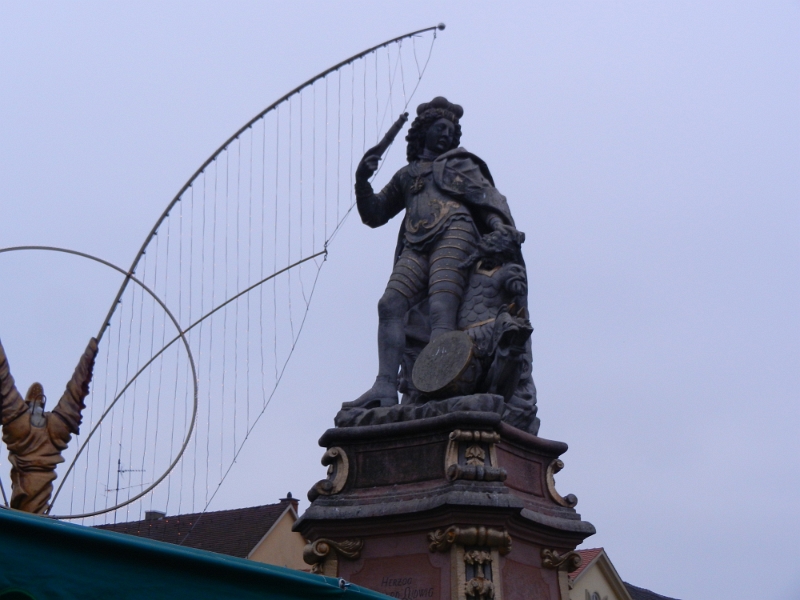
x: 443, y: 310
x: 406, y: 286
x: 447, y: 279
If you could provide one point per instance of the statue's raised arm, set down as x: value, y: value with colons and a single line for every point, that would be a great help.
x: 71, y: 404
x: 12, y: 404
x: 377, y: 209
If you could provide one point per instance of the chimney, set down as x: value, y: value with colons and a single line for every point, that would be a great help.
x: 154, y: 515
x: 289, y: 498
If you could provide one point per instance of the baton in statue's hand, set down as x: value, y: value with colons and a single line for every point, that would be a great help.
x: 389, y: 137
x: 369, y: 163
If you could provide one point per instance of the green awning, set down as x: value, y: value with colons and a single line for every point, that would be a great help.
x: 47, y: 559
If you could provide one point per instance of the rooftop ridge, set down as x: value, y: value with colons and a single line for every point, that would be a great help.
x: 235, y: 532
x: 166, y: 517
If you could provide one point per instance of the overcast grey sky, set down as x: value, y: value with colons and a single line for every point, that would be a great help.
x: 650, y: 151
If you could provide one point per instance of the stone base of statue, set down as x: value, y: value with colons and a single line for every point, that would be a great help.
x: 457, y: 506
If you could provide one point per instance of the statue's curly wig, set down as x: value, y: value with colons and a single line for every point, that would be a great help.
x: 427, y: 114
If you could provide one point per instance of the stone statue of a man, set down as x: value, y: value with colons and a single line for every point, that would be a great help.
x: 450, y: 201
x: 35, y: 438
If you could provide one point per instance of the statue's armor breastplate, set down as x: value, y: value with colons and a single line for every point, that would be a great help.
x: 428, y: 209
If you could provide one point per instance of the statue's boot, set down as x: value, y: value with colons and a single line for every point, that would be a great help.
x: 382, y: 393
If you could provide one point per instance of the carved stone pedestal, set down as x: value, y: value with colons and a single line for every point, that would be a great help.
x: 460, y: 506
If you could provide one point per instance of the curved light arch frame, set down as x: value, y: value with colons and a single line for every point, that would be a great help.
x: 129, y: 274
x: 181, y: 336
x: 231, y: 139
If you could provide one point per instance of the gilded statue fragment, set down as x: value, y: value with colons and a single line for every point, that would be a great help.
x: 35, y: 438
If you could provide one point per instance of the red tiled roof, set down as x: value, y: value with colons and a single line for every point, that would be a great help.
x: 233, y: 532
x: 587, y: 556
x: 637, y: 593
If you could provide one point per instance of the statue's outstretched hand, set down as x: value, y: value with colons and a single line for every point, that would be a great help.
x: 367, y: 166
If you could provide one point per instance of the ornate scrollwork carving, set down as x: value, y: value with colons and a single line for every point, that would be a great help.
x: 338, y: 468
x: 478, y: 580
x: 442, y: 539
x: 570, y: 500
x: 471, y: 455
x: 317, y: 553
x: 569, y: 561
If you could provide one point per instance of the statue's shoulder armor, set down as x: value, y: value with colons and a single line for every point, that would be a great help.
x: 464, y: 154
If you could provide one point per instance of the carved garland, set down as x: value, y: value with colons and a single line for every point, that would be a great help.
x: 480, y: 586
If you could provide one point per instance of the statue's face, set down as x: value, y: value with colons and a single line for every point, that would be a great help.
x: 439, y: 137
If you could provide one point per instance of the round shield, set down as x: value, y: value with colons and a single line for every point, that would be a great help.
x: 442, y: 362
